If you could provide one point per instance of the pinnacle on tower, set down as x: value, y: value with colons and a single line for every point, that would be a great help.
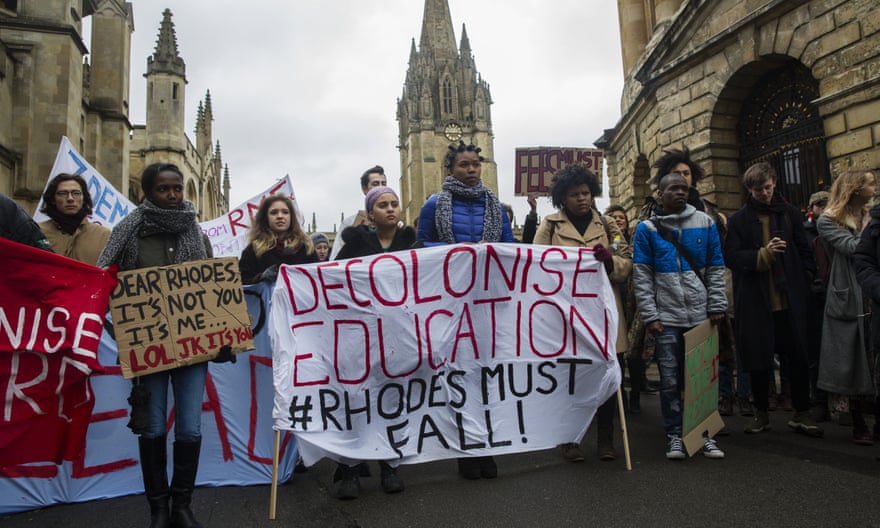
x: 465, y: 45
x: 413, y: 54
x: 209, y: 114
x: 200, y: 117
x: 166, y: 58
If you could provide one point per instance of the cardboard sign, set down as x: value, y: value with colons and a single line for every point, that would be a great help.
x: 701, y: 386
x: 535, y: 166
x: 172, y: 316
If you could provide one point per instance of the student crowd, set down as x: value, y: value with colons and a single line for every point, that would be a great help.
x: 784, y: 293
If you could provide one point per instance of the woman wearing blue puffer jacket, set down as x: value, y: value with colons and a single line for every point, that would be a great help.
x: 465, y: 211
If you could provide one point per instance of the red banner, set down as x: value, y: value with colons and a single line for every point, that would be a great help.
x: 51, y: 318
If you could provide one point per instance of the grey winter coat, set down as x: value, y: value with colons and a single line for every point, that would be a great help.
x: 843, y: 361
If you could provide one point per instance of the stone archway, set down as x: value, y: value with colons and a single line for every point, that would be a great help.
x: 765, y: 113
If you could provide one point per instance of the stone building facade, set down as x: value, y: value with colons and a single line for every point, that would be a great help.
x: 48, y: 89
x: 795, y: 83
x: 444, y: 100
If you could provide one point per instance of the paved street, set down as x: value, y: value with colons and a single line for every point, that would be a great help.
x: 778, y: 478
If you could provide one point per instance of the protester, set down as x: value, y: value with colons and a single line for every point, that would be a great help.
x: 867, y: 264
x: 678, y: 276
x: 635, y: 360
x: 322, y: 246
x: 844, y: 363
x: 579, y: 224
x: 465, y: 211
x: 67, y: 202
x: 531, y: 224
x: 16, y: 225
x: 679, y: 161
x: 818, y: 397
x: 772, y: 266
x: 372, y: 177
x: 160, y: 232
x: 383, y: 210
x: 275, y: 238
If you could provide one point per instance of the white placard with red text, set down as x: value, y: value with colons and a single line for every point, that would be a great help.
x: 442, y: 352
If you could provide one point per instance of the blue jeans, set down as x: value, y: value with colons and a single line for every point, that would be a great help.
x: 669, y: 353
x: 188, y: 384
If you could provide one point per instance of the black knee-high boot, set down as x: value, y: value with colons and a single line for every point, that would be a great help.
x: 186, y: 465
x: 153, y: 453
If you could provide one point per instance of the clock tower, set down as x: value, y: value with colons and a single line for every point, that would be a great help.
x: 444, y: 101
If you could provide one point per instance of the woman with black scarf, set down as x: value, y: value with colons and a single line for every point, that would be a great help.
x: 772, y: 264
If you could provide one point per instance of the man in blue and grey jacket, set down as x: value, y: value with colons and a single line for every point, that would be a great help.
x: 678, y: 275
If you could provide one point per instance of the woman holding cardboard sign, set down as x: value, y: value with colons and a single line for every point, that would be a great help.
x: 160, y: 232
x: 276, y: 238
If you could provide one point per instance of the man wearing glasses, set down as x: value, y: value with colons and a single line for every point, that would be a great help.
x: 68, y: 204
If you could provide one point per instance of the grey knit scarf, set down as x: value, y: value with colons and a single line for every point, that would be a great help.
x: 122, y: 246
x: 492, y: 222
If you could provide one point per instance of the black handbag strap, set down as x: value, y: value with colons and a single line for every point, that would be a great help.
x: 667, y: 235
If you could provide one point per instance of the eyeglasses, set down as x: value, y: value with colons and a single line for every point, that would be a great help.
x: 65, y: 194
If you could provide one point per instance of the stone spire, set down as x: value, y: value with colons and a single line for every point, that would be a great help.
x: 165, y: 57
x: 437, y: 34
x: 226, y: 185
x: 465, y: 45
x: 200, y: 118
x: 209, y: 114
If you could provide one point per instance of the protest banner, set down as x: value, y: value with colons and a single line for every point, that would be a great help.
x: 109, y: 206
x: 51, y: 316
x: 228, y: 233
x: 442, y: 352
x: 701, y: 386
x: 237, y: 435
x: 171, y: 316
x: 534, y: 166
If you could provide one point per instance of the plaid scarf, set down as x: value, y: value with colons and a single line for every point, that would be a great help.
x: 492, y: 221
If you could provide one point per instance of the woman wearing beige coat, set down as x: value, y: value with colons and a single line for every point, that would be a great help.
x: 579, y: 224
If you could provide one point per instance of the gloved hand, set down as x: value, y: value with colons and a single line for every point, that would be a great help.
x: 270, y: 274
x: 604, y: 256
x: 225, y: 355
x: 139, y: 417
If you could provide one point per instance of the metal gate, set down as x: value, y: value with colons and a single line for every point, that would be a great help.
x: 779, y: 124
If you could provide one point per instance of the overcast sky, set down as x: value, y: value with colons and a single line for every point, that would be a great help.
x: 309, y: 87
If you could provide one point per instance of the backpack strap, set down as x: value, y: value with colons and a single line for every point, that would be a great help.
x: 667, y: 235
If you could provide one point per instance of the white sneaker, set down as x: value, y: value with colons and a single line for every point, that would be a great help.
x: 710, y: 449
x: 675, y: 448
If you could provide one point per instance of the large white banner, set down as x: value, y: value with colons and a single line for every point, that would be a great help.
x: 228, y: 233
x: 442, y: 352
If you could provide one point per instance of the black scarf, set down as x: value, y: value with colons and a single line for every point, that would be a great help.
x: 581, y: 223
x: 776, y: 211
x: 67, y: 223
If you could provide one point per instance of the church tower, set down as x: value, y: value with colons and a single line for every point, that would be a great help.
x: 444, y: 100
x: 166, y: 91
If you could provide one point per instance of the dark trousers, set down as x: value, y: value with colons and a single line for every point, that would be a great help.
x: 785, y: 345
